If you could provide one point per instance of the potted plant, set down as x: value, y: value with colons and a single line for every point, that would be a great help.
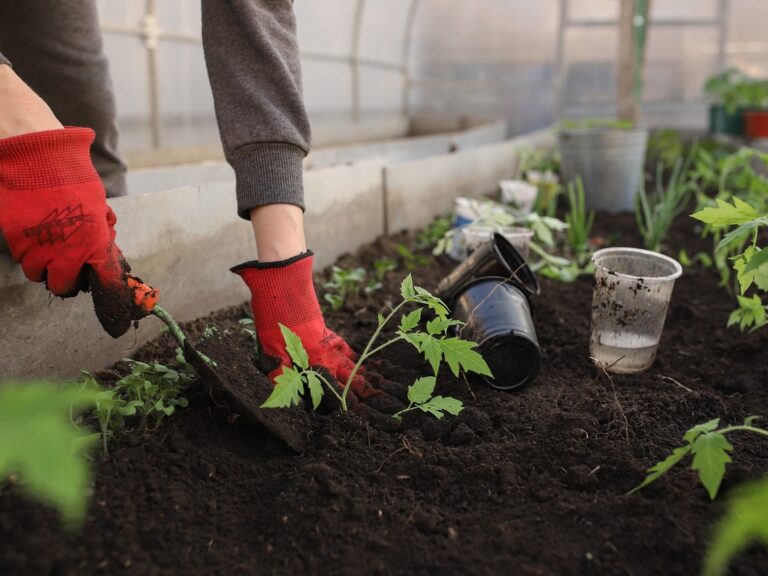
x: 756, y: 114
x: 608, y: 156
x: 734, y: 96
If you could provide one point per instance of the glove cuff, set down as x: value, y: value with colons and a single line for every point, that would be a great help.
x: 47, y: 159
x: 281, y: 292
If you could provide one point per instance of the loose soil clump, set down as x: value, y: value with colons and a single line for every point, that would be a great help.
x: 527, y: 482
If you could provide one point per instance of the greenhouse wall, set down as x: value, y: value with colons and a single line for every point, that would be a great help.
x: 371, y: 62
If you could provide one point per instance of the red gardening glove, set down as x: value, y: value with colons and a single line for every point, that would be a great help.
x: 283, y: 293
x: 55, y: 219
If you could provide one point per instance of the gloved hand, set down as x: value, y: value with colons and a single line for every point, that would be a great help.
x: 55, y: 219
x: 283, y: 293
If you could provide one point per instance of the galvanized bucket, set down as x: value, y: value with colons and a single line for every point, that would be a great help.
x: 610, y: 163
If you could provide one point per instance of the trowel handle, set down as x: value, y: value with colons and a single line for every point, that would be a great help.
x: 144, y: 297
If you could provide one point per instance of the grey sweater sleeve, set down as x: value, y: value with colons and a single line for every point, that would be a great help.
x: 253, y: 65
x: 4, y: 60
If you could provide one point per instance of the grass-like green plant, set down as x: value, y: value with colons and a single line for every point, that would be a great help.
x: 744, y: 523
x: 579, y: 221
x: 709, y: 447
x: 411, y: 260
x: 41, y: 449
x: 436, y: 345
x: 342, y: 284
x: 434, y: 232
x: 655, y: 213
x: 750, y: 262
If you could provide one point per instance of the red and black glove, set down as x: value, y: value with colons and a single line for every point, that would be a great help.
x: 283, y: 293
x: 55, y: 219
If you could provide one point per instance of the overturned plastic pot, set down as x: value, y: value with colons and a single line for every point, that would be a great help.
x: 497, y: 315
x: 497, y: 257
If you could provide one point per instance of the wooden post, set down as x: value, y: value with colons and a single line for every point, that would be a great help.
x: 631, y: 58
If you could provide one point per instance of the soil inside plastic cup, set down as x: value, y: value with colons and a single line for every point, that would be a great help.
x: 631, y: 295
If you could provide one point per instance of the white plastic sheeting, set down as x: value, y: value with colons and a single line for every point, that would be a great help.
x: 481, y: 58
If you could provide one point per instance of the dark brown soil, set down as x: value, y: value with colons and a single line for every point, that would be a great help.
x: 531, y: 482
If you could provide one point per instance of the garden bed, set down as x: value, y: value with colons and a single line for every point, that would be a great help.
x: 531, y: 482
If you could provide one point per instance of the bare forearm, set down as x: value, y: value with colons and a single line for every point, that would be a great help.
x: 23, y: 111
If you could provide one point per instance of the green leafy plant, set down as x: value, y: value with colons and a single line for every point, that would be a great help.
x: 434, y: 232
x: 744, y: 522
x: 665, y: 147
x: 709, y: 447
x: 410, y: 259
x: 750, y: 263
x: 39, y: 447
x: 436, y: 344
x: 145, y: 396
x: 579, y: 222
x: 342, y: 284
x: 597, y: 123
x: 421, y: 397
x: 735, y: 90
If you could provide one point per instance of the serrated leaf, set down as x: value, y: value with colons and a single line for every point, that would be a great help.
x: 315, y: 389
x: 710, y: 455
x: 409, y: 321
x: 452, y: 406
x: 406, y: 288
x: 288, y: 389
x: 460, y: 354
x: 662, y: 467
x: 428, y: 346
x: 725, y: 214
x: 739, y: 233
x: 744, y: 523
x: 380, y: 318
x: 39, y: 443
x: 694, y: 432
x: 439, y: 326
x: 421, y: 390
x: 759, y: 259
x: 294, y: 347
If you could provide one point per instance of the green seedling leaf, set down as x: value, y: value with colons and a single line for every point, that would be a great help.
x: 758, y: 260
x: 662, y: 467
x: 461, y: 354
x: 409, y: 321
x: 287, y: 391
x: 710, y: 455
x: 315, y: 389
x: 440, y: 326
x: 406, y: 288
x: 750, y: 312
x: 421, y: 390
x: 691, y: 435
x: 295, y: 348
x: 39, y: 443
x: 726, y: 214
x: 440, y: 404
x: 743, y: 524
x: 738, y: 234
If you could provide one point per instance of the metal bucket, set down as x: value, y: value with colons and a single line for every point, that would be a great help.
x: 610, y: 163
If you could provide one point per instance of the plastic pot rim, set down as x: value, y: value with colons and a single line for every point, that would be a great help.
x: 638, y: 251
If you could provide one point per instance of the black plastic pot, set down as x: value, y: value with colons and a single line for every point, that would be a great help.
x: 497, y: 257
x: 497, y: 315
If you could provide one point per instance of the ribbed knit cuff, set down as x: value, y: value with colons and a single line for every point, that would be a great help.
x: 47, y: 159
x: 268, y: 173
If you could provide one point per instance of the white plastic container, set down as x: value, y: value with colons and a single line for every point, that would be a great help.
x: 630, y: 298
x: 519, y: 193
x: 475, y: 235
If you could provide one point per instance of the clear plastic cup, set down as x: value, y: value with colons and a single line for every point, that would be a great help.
x: 475, y: 234
x: 629, y: 305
